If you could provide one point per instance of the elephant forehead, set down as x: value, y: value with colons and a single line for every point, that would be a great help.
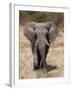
x: 41, y: 31
x: 39, y: 24
x: 41, y: 35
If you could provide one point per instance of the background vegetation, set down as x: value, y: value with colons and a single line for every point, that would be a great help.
x: 26, y: 16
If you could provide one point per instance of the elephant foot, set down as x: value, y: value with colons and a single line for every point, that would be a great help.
x: 43, y: 65
x: 35, y: 67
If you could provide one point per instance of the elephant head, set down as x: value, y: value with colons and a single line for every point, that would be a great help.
x: 40, y: 35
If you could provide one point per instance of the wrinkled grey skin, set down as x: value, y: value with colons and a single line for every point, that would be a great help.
x: 40, y: 35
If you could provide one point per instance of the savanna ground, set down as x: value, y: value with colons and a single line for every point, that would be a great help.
x: 55, y: 58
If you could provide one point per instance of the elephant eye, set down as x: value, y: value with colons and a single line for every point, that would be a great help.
x: 34, y: 28
x: 48, y: 28
x: 35, y: 37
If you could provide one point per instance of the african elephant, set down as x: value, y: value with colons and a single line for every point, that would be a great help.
x: 40, y: 35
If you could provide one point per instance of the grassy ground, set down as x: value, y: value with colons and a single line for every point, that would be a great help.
x: 55, y: 58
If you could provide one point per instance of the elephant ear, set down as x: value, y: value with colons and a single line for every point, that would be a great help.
x: 52, y: 30
x: 29, y: 31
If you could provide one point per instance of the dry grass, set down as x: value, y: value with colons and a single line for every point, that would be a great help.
x: 55, y: 58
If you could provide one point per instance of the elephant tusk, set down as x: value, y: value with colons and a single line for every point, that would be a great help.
x: 36, y: 43
x: 47, y: 42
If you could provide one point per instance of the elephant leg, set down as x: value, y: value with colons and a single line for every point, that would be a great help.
x: 39, y: 57
x: 35, y: 58
x: 44, y: 63
x: 46, y: 52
